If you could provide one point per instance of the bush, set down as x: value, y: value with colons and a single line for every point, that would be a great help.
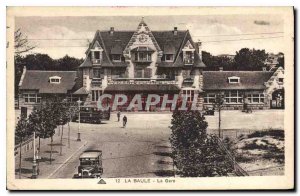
x: 195, y: 153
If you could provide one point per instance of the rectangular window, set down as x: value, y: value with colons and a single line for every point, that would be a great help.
x: 96, y: 94
x: 188, y: 57
x: 116, y: 57
x: 233, y: 97
x: 97, y: 54
x: 143, y: 56
x: 147, y: 73
x: 98, y: 73
x: 32, y: 98
x: 96, y: 57
x: 138, y: 73
x: 189, y: 94
x: 233, y: 80
x: 169, y: 57
x: 210, y: 98
x: 256, y: 98
x: 280, y: 80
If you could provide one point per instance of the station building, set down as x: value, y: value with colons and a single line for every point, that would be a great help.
x: 153, y: 62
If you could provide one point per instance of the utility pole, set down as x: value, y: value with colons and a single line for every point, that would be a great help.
x: 78, y: 133
x: 219, y: 103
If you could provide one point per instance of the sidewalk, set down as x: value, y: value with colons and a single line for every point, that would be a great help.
x: 46, y: 170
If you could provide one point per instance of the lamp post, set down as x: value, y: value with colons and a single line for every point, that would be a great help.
x: 34, y: 165
x: 78, y: 133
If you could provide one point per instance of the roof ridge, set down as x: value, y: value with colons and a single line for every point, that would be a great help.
x: 240, y: 71
x: 48, y: 71
x: 181, y: 46
x: 104, y: 48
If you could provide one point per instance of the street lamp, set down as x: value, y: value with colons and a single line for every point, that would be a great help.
x: 34, y: 165
x: 78, y: 133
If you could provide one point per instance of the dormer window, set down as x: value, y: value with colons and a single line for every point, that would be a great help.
x: 116, y: 52
x: 116, y: 57
x: 142, y: 54
x: 96, y: 53
x: 233, y: 80
x: 168, y: 57
x: 188, y: 53
x: 188, y: 57
x: 55, y: 79
x: 169, y: 51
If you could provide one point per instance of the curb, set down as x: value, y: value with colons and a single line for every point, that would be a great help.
x: 67, y: 160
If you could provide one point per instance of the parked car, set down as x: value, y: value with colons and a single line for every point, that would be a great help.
x: 209, y: 110
x: 90, y: 164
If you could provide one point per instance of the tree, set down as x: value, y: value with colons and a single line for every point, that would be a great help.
x: 250, y: 60
x: 281, y: 60
x: 218, y: 105
x: 71, y: 112
x: 42, y: 120
x: 67, y: 63
x: 214, y: 62
x: 63, y: 116
x: 195, y: 153
x: 22, y: 44
x: 21, y: 132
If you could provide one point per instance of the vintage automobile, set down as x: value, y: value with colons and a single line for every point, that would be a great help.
x: 209, y: 110
x: 91, y: 115
x: 90, y: 164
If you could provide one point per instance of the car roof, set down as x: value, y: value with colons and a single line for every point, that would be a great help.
x: 90, y: 154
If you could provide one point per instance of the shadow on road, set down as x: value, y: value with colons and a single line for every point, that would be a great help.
x: 164, y: 162
x: 43, y: 159
x: 23, y: 171
x: 165, y: 154
x: 164, y: 173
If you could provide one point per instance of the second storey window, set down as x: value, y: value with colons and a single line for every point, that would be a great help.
x: 168, y: 57
x: 188, y: 57
x: 96, y: 56
x: 143, y: 57
x: 116, y: 57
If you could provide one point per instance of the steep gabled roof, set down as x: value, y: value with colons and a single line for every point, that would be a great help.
x: 39, y: 80
x: 164, y: 40
x: 217, y: 80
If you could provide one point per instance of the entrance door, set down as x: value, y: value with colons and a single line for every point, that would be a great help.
x: 277, y: 101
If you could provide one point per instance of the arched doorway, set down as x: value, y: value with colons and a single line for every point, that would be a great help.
x: 277, y: 101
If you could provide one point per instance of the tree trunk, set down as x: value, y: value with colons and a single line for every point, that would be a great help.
x: 61, y: 138
x: 51, y: 144
x: 20, y: 164
x: 69, y: 135
x: 39, y: 143
x: 58, y: 130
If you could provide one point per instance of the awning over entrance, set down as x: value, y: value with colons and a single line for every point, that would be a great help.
x: 142, y: 88
x: 81, y: 91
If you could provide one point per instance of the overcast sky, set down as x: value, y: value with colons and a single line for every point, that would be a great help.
x: 219, y: 34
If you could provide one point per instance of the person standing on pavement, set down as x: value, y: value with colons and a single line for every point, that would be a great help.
x: 119, y: 115
x: 124, y: 121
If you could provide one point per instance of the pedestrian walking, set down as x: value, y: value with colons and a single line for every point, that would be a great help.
x: 119, y: 115
x: 124, y: 121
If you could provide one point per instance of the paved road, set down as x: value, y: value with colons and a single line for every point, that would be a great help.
x: 141, y: 149
x: 134, y: 151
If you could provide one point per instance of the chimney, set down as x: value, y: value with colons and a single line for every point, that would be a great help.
x: 112, y: 29
x: 175, y: 31
x: 220, y: 68
x: 200, y: 49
